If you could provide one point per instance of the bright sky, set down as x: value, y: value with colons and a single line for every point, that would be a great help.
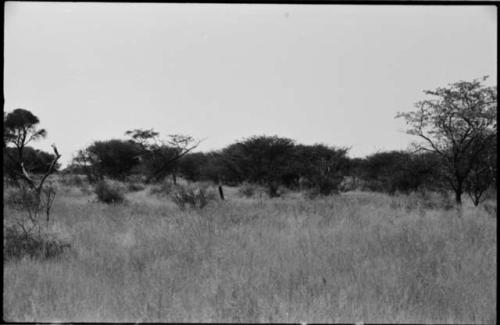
x: 333, y: 74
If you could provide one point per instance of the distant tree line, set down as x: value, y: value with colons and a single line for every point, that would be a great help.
x: 458, y: 129
x: 275, y: 162
x: 270, y: 161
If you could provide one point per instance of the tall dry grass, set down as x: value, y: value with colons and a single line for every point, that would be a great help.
x: 355, y: 257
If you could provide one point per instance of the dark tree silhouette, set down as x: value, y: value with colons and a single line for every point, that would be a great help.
x: 161, y: 157
x: 402, y: 171
x: 458, y: 124
x: 260, y: 159
x: 113, y: 158
x: 21, y: 128
x: 320, y: 167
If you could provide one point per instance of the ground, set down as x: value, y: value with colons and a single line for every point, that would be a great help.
x: 351, y: 257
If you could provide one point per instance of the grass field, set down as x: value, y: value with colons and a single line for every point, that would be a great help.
x: 347, y: 258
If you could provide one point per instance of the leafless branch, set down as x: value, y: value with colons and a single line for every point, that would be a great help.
x: 51, y: 168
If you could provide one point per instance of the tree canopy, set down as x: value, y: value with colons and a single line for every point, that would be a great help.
x: 458, y: 123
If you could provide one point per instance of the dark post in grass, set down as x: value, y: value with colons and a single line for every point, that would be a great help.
x: 221, y: 192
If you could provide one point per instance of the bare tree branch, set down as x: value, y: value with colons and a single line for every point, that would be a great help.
x: 51, y: 168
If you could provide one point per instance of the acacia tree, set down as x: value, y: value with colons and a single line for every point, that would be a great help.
x: 162, y: 156
x: 114, y: 158
x: 260, y: 159
x: 400, y: 171
x: 459, y: 124
x: 87, y: 162
x: 20, y: 128
x: 322, y: 167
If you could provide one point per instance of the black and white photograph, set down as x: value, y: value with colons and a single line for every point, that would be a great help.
x: 250, y: 163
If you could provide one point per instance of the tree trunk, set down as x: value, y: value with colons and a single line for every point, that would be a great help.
x: 174, y: 178
x: 458, y: 194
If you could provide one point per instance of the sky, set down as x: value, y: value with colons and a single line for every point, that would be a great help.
x: 332, y: 74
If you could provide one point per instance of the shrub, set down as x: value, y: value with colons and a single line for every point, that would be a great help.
x: 78, y: 181
x: 18, y: 244
x: 329, y: 186
x: 32, y: 204
x: 195, y: 197
x: 19, y: 198
x: 72, y: 180
x: 490, y: 207
x: 163, y: 189
x: 109, y: 192
x: 135, y: 178
x: 322, y: 190
x: 249, y: 190
x: 134, y: 187
x: 86, y: 189
x: 312, y: 193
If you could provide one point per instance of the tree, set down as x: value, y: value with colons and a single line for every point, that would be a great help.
x: 113, y: 158
x: 322, y: 167
x: 145, y: 138
x: 20, y: 128
x: 260, y: 159
x: 86, y: 162
x: 161, y: 157
x: 392, y: 171
x: 218, y: 168
x: 179, y: 145
x: 191, y: 166
x: 458, y: 124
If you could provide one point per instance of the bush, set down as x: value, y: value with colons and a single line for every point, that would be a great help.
x: 78, y: 181
x: 490, y: 207
x: 19, y: 198
x: 135, y: 178
x: 86, y: 189
x: 195, y: 197
x: 323, y: 190
x: 18, y: 244
x: 109, y: 192
x: 135, y: 187
x: 163, y: 189
x: 249, y: 190
x: 310, y: 194
x: 329, y: 186
x: 349, y: 183
x: 72, y: 180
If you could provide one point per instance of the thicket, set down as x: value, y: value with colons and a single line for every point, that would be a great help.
x: 458, y: 153
x: 273, y: 162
